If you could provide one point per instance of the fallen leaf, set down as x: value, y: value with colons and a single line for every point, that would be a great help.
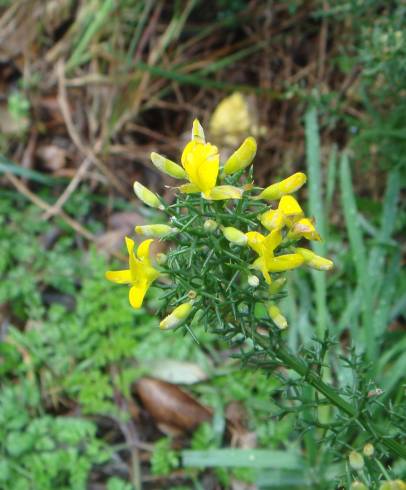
x: 178, y: 372
x: 172, y: 408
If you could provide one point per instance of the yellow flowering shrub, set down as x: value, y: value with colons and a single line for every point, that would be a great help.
x: 229, y: 241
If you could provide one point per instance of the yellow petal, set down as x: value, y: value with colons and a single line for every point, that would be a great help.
x: 273, y: 219
x: 286, y: 186
x: 201, y: 162
x: 137, y: 293
x: 222, y: 192
x: 168, y: 166
x: 198, y: 132
x: 284, y: 262
x: 259, y: 265
x: 119, y: 277
x: 255, y: 240
x: 315, y: 261
x: 130, y: 245
x: 290, y: 207
x: 242, y: 157
x: 189, y: 188
x: 272, y: 241
x: 143, y: 249
x: 304, y: 228
x: 207, y: 173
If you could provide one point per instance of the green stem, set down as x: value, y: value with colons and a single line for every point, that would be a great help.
x: 303, y: 369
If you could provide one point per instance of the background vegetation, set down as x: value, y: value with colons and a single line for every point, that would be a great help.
x: 87, y: 90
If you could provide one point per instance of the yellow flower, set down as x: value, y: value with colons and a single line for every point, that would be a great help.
x: 177, y: 317
x: 201, y: 162
x: 287, y: 213
x: 315, y: 261
x: 140, y: 274
x: 286, y: 186
x: 264, y: 246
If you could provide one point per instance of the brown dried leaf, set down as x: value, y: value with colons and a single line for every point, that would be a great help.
x: 170, y: 407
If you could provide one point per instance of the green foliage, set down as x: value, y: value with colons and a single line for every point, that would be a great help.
x: 41, y: 450
x: 164, y: 459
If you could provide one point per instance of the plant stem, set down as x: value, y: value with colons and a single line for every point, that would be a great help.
x: 298, y: 365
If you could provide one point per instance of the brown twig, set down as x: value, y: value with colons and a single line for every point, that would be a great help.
x: 81, y: 230
x: 71, y: 187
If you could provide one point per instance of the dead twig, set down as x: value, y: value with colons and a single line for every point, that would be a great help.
x: 71, y: 187
x: 81, y: 230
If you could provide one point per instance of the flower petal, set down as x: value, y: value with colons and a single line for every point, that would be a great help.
x: 273, y: 219
x: 119, y: 277
x: 207, y: 172
x: 222, y: 192
x: 255, y: 241
x: 272, y: 241
x: 137, y: 293
x: 143, y: 249
x: 284, y: 262
x: 290, y: 207
x: 189, y: 188
x: 130, y: 245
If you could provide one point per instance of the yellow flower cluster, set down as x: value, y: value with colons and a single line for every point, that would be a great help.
x: 279, y: 228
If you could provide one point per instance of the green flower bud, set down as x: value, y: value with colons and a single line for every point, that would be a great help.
x: 210, y: 225
x: 356, y: 460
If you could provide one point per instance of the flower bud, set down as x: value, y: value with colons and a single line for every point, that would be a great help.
x: 198, y: 132
x: 357, y: 485
x: 286, y: 186
x: 210, y: 225
x: 177, y: 317
x: 356, y: 460
x: 155, y: 231
x: 393, y: 485
x: 146, y: 196
x: 235, y: 236
x: 315, y: 261
x: 277, y: 285
x: 368, y: 450
x: 167, y: 166
x: 242, y: 157
x: 161, y: 258
x: 275, y: 313
x: 253, y: 281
